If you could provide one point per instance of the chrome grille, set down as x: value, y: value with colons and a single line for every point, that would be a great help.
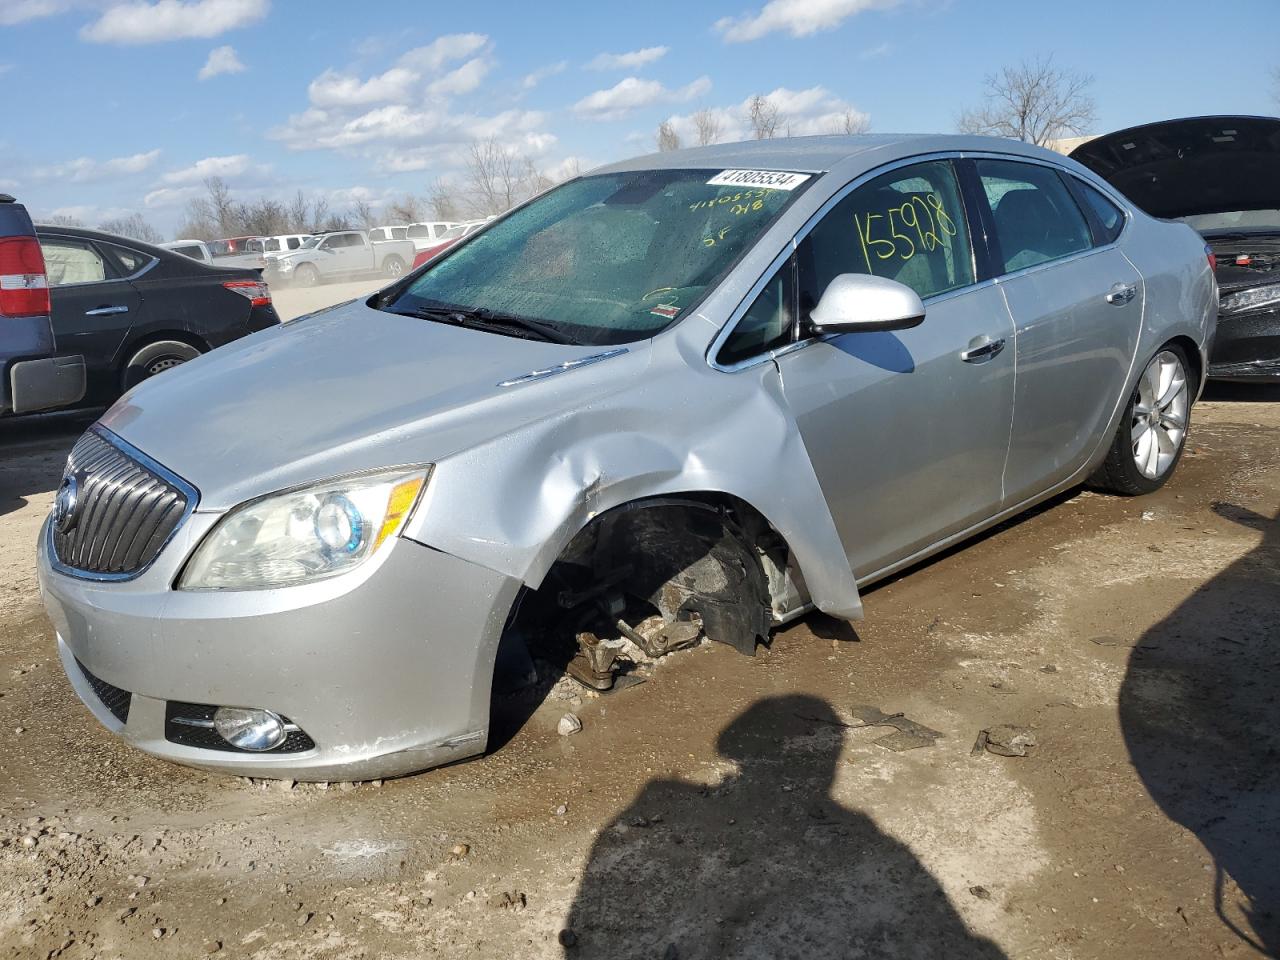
x: 126, y: 507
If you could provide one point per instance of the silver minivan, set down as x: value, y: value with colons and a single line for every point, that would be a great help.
x: 696, y: 394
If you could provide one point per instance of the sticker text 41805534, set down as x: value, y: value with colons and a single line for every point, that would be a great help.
x: 919, y: 224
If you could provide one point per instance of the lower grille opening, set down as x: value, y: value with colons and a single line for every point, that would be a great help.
x: 113, y: 698
x: 191, y: 724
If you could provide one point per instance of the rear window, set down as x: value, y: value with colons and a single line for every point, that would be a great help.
x: 1110, y: 217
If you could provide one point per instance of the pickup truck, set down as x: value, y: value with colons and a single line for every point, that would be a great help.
x: 344, y: 254
x: 32, y: 376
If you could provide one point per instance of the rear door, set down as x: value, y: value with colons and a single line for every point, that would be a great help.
x: 1076, y: 303
x: 94, y: 306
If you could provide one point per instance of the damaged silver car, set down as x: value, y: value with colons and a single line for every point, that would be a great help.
x: 693, y: 394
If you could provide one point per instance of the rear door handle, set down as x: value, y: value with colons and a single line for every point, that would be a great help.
x: 982, y: 349
x: 1121, y: 293
x: 106, y: 311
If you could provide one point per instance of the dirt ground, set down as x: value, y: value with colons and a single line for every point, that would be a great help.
x: 730, y: 806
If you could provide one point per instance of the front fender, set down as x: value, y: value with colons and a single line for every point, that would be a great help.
x: 513, y: 503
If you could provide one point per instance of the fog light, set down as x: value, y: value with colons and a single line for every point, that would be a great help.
x: 245, y: 729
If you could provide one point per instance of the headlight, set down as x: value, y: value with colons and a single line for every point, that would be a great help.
x: 1251, y: 299
x: 307, y: 534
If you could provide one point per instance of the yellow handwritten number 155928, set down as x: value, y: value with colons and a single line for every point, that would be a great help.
x: 924, y: 218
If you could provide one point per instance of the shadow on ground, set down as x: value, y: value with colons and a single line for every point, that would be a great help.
x: 1200, y: 710
x: 763, y: 864
x: 32, y: 452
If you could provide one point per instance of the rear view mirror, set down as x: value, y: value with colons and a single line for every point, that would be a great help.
x: 859, y: 301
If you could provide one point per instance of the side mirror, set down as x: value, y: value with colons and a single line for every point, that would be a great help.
x: 856, y: 302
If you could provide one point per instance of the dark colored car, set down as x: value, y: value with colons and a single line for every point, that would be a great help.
x: 32, y: 376
x: 134, y: 310
x: 1221, y: 175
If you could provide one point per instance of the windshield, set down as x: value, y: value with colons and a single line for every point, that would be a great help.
x: 453, y: 233
x: 312, y: 242
x: 1236, y: 220
x: 605, y: 259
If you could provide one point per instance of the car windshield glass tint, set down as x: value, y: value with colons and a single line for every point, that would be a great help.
x: 313, y: 242
x: 606, y: 259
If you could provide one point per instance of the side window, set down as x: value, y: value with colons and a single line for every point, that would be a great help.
x: 294, y: 243
x: 131, y: 260
x: 69, y: 261
x: 766, y: 325
x: 377, y: 234
x: 1036, y: 218
x: 1110, y: 217
x: 908, y: 225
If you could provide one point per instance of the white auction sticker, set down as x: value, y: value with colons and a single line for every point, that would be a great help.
x: 768, y: 179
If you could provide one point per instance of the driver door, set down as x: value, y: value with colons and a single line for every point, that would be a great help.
x: 907, y: 431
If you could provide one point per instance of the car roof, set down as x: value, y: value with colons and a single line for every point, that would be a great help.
x: 816, y: 154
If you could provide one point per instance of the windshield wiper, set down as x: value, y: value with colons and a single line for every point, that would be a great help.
x: 482, y: 318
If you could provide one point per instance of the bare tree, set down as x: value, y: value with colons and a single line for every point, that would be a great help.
x: 764, y: 117
x: 495, y: 177
x: 134, y: 227
x: 535, y: 180
x: 362, y: 213
x: 571, y: 169
x: 62, y: 220
x: 708, y: 126
x: 443, y: 202
x: 407, y: 209
x: 851, y: 122
x: 666, y: 137
x: 299, y: 213
x: 222, y: 208
x: 1035, y: 102
x: 320, y: 216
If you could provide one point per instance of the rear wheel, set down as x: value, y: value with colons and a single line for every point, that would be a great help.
x: 306, y: 275
x: 393, y: 267
x: 1153, y: 430
x: 156, y: 358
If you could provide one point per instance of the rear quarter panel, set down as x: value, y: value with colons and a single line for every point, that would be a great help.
x: 1181, y: 294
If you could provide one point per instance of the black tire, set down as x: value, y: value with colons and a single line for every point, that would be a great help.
x: 393, y: 267
x: 155, y: 358
x: 306, y: 275
x: 1119, y: 472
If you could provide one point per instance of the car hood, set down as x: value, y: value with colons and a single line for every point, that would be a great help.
x: 348, y: 389
x: 1198, y: 165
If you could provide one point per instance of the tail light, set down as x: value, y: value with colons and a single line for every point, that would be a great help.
x: 24, y: 286
x: 255, y: 291
x: 1212, y: 257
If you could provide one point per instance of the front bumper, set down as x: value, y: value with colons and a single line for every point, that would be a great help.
x: 1247, y: 347
x: 387, y: 669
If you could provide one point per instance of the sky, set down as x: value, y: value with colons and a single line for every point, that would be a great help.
x: 112, y: 108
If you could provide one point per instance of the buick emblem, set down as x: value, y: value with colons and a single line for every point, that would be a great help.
x: 64, y: 507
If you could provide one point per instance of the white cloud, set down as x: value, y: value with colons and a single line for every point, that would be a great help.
x: 626, y: 61
x: 876, y: 52
x: 20, y: 11
x: 800, y: 18
x: 462, y: 80
x: 443, y: 50
x: 801, y: 113
x: 5, y: 68
x: 231, y: 166
x: 87, y: 170
x: 531, y: 80
x: 332, y: 89
x: 155, y: 22
x: 632, y: 94
x: 171, y: 196
x: 221, y: 60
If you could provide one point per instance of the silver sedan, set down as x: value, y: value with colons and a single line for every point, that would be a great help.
x: 696, y: 394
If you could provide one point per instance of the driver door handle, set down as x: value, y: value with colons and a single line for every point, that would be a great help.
x: 106, y: 311
x: 982, y: 349
x: 1121, y: 293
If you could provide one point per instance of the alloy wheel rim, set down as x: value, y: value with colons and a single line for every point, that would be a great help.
x: 1159, y: 423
